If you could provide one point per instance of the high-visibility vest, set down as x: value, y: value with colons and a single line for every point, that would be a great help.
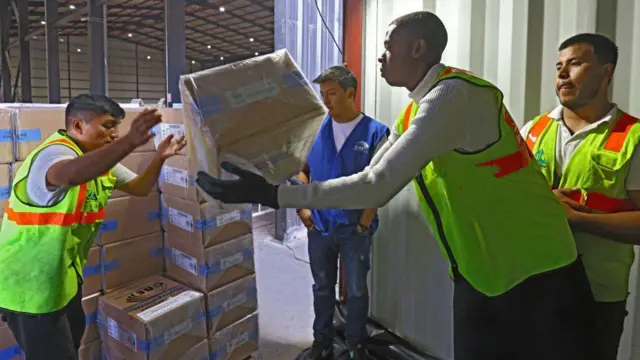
x: 43, y: 249
x: 599, y: 168
x: 497, y: 221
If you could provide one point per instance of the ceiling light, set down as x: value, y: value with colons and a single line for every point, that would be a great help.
x: 208, y: 46
x: 148, y: 57
x: 43, y: 22
x: 222, y: 8
x: 61, y: 40
x: 193, y: 61
x: 72, y: 7
x: 256, y: 54
x: 35, y: 38
x: 221, y: 57
x: 251, y: 39
x: 79, y: 50
x: 129, y: 34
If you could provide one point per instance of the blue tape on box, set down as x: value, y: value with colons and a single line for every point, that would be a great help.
x: 29, y: 135
x: 251, y: 294
x: 210, y: 105
x: 212, y: 223
x: 293, y: 79
x: 91, y: 270
x: 147, y: 346
x: 5, y: 191
x: 156, y: 251
x: 6, y: 135
x: 11, y: 352
x: 222, y: 351
x: 212, y: 269
x: 91, y: 319
x: 109, y: 266
x: 109, y: 225
x: 153, y: 216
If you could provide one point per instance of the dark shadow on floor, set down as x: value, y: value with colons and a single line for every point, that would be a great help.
x: 270, y: 350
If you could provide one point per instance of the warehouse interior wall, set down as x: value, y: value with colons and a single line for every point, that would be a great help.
x: 514, y: 45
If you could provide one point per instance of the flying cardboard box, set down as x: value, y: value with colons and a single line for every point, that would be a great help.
x: 90, y: 307
x: 7, y: 117
x: 231, y: 303
x: 9, y: 348
x: 152, y: 319
x: 138, y: 163
x: 259, y: 113
x: 206, y: 224
x: 91, y: 273
x: 5, y: 186
x: 207, y: 269
x: 92, y: 351
x: 237, y: 341
x: 33, y: 125
x: 130, y: 217
x: 131, y: 260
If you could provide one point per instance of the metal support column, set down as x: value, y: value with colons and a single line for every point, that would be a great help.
x: 175, y: 48
x: 97, y: 46
x: 25, y: 50
x: 5, y: 73
x: 53, y: 53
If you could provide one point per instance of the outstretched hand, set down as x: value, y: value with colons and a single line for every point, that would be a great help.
x: 249, y: 188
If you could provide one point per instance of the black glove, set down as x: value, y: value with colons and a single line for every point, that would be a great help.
x: 249, y: 188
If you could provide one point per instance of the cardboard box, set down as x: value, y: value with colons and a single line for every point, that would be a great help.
x: 211, y: 268
x: 152, y: 319
x: 130, y: 217
x: 199, y: 352
x: 231, y: 303
x: 172, y: 123
x: 131, y: 260
x: 33, y: 125
x: 5, y: 186
x: 125, y: 126
x: 237, y: 341
x: 138, y: 163
x: 178, y: 179
x: 205, y: 224
x: 7, y: 135
x: 92, y: 351
x: 9, y: 348
x: 91, y: 273
x: 14, y: 168
x: 260, y: 113
x: 90, y: 307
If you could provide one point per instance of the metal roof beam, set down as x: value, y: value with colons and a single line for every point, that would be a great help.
x: 210, y: 4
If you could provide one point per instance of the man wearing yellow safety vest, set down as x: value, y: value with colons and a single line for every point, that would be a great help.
x: 55, y: 210
x: 520, y: 289
x: 588, y: 151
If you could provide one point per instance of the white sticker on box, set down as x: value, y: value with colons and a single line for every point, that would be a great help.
x: 164, y: 130
x: 175, y: 176
x: 177, y: 330
x: 236, y: 301
x: 256, y: 91
x: 121, y: 334
x: 184, y: 261
x: 225, y: 219
x: 231, y: 261
x: 237, y: 342
x: 181, y: 219
x: 168, y: 305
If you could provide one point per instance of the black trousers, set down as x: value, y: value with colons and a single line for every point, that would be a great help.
x: 606, y: 331
x: 50, y: 336
x: 546, y: 317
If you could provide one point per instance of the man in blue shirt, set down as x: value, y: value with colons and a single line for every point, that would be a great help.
x: 345, y: 144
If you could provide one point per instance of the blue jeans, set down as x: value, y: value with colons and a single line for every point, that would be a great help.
x: 355, y: 250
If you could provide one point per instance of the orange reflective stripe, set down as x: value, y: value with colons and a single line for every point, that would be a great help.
x: 601, y: 202
x: 407, y: 116
x: 536, y: 130
x: 63, y: 141
x: 620, y: 132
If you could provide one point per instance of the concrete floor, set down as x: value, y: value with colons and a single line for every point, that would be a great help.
x: 284, y: 294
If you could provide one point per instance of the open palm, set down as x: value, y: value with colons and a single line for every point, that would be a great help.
x: 170, y: 147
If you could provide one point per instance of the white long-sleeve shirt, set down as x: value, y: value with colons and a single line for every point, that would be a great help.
x: 452, y: 115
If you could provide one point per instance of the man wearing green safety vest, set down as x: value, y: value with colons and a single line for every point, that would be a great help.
x: 588, y: 151
x: 54, y: 212
x: 520, y: 290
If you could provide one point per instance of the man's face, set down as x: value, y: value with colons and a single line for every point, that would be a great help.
x: 580, y: 77
x: 397, y: 57
x: 97, y: 132
x: 335, y: 98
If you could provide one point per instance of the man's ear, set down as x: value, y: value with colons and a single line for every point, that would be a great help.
x: 608, y: 71
x: 419, y: 49
x: 351, y: 93
x: 77, y: 125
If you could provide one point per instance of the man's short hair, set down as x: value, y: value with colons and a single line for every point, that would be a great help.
x: 427, y: 26
x: 88, y: 106
x: 341, y: 75
x: 606, y: 51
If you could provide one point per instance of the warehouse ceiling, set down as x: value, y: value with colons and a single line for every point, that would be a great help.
x: 216, y: 31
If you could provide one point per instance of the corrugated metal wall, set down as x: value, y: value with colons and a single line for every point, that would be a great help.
x: 512, y: 43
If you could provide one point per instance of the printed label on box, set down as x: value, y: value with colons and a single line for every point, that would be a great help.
x: 175, y: 176
x: 180, y: 219
x: 165, y: 130
x: 231, y: 261
x: 225, y: 219
x: 121, y: 334
x: 184, y: 261
x: 165, y: 307
x: 256, y: 91
x: 235, y: 302
x: 237, y: 342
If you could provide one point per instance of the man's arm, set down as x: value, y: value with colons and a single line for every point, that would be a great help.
x: 368, y: 214
x: 440, y: 125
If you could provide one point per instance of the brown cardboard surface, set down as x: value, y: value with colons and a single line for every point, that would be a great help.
x: 210, y: 268
x: 231, y: 303
x: 90, y: 307
x: 34, y: 125
x: 136, y: 162
x: 8, y: 343
x: 131, y: 260
x: 178, y: 179
x: 6, y: 135
x: 5, y: 186
x: 260, y: 113
x: 125, y: 125
x: 14, y: 168
x: 151, y: 319
x: 130, y: 217
x: 237, y: 341
x: 91, y: 273
x: 92, y: 351
x: 207, y: 224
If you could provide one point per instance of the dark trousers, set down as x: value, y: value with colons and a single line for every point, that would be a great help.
x: 544, y: 317
x: 355, y: 250
x: 50, y: 336
x: 608, y: 324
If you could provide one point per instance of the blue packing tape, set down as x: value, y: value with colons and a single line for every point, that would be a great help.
x: 91, y: 319
x: 156, y: 251
x: 212, y: 223
x: 222, y: 350
x: 147, y: 346
x: 29, y: 135
x: 91, y: 270
x: 5, y: 192
x: 109, y: 225
x: 11, y: 352
x: 210, y: 105
x: 109, y: 266
x: 293, y: 79
x: 6, y: 135
x: 218, y: 310
x: 215, y: 268
x: 153, y: 216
